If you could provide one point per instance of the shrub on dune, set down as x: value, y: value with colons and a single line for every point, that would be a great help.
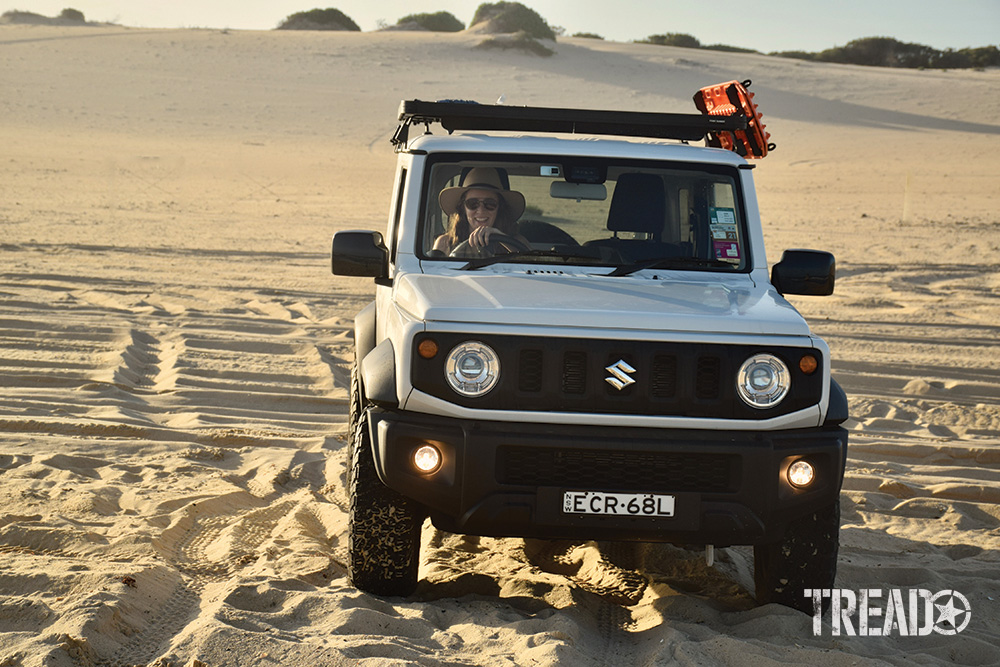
x: 67, y: 17
x: 890, y: 52
x: 512, y: 17
x: 319, y: 19
x: 513, y: 26
x: 436, y: 22
x: 728, y: 48
x: 881, y: 52
x: 673, y: 39
x: 72, y: 15
x: 17, y: 16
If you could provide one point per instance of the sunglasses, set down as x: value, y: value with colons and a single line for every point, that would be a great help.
x: 488, y: 204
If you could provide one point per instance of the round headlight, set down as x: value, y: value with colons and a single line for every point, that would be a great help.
x: 472, y: 369
x: 763, y: 381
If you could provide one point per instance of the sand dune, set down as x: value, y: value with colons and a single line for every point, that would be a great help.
x: 174, y: 355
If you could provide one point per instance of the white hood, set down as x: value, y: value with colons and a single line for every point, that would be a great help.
x: 713, y: 304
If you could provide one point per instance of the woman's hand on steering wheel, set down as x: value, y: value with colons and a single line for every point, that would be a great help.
x: 496, y: 243
x: 480, y: 236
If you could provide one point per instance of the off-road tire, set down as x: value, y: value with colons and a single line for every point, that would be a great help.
x: 357, y: 404
x: 805, y: 558
x: 383, y: 527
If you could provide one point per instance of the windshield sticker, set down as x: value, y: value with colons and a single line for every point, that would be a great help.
x: 725, y: 240
x: 726, y: 251
x: 722, y: 216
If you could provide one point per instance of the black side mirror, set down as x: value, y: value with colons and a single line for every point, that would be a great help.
x: 359, y: 254
x: 809, y: 272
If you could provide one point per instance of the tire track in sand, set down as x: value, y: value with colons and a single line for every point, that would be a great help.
x: 252, y: 381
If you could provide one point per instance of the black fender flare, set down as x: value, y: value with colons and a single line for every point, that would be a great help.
x: 837, y: 409
x: 376, y: 363
x: 364, y: 331
x: 378, y: 375
x: 837, y: 412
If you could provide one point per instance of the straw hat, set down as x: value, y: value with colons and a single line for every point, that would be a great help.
x: 481, y: 178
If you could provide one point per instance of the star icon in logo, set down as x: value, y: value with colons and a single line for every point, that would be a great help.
x: 954, y: 615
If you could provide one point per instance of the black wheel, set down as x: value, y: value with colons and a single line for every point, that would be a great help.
x: 383, y: 527
x: 805, y: 558
x: 498, y: 244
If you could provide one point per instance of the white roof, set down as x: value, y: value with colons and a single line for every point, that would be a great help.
x: 577, y: 145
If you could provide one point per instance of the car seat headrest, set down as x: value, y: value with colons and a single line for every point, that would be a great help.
x: 638, y: 204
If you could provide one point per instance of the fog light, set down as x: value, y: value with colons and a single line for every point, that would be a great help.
x: 801, y: 474
x: 427, y: 459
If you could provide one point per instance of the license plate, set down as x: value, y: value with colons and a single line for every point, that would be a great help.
x: 617, y: 504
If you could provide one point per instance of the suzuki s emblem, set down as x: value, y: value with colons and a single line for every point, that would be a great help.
x: 620, y: 375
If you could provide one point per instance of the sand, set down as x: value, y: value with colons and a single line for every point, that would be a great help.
x: 174, y: 354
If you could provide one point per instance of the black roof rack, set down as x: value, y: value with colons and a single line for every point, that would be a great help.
x: 460, y: 115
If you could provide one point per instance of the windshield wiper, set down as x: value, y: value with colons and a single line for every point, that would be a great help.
x: 669, y: 263
x: 482, y: 262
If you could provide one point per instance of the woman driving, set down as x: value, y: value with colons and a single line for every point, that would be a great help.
x: 478, y: 209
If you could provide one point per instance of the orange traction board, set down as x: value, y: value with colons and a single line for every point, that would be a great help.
x: 729, y: 99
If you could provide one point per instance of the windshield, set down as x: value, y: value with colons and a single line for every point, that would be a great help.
x: 627, y: 215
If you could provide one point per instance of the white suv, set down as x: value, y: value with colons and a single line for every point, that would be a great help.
x: 619, y: 365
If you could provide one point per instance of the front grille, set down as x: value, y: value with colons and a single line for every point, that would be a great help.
x: 591, y: 470
x: 529, y: 370
x: 707, y: 380
x: 574, y: 373
x: 570, y: 375
x: 664, y: 381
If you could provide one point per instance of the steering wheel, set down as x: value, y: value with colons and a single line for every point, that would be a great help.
x: 498, y: 243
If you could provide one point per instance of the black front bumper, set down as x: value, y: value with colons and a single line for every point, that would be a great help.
x: 508, y: 479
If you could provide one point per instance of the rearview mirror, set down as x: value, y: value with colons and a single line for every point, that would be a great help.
x: 358, y: 253
x: 578, y: 191
x: 808, y: 272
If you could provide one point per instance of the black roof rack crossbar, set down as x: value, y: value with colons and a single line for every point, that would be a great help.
x: 472, y: 116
